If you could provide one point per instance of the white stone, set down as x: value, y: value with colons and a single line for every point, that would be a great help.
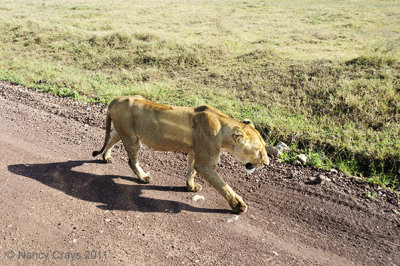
x: 282, y: 146
x: 302, y: 158
x: 233, y: 219
x: 197, y: 197
x: 273, y: 151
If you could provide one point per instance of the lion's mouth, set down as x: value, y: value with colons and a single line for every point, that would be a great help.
x: 250, y: 168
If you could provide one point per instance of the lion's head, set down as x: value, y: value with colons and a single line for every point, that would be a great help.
x: 249, y: 146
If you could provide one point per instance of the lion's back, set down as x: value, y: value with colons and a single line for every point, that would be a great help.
x: 159, y: 126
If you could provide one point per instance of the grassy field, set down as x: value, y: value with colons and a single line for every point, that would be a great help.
x: 323, y: 76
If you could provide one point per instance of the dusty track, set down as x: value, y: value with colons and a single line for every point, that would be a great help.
x: 56, y: 198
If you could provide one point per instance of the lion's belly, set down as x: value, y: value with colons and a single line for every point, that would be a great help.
x: 168, y: 145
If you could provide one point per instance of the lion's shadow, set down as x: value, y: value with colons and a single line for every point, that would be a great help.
x: 103, y: 189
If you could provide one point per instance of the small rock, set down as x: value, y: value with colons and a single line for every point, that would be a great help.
x: 282, y: 146
x: 275, y: 253
x: 292, y: 174
x: 107, y: 220
x: 197, y: 197
x: 324, y: 178
x: 88, y: 108
x: 319, y: 180
x: 273, y: 151
x: 233, y: 219
x: 302, y: 158
x: 296, y: 163
x: 333, y: 170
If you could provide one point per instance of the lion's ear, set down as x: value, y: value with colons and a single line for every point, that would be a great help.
x: 237, y: 134
x: 248, y: 122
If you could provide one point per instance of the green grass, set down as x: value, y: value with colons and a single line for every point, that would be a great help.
x: 370, y: 195
x: 322, y: 76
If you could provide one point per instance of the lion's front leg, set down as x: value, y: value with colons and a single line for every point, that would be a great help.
x: 190, y: 174
x: 235, y: 201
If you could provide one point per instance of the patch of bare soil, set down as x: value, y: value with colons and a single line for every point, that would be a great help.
x: 61, y: 206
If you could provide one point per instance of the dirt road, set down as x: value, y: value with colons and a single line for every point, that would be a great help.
x: 61, y: 206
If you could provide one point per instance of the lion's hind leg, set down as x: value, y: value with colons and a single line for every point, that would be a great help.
x: 131, y: 144
x: 190, y: 174
x: 114, y: 138
x: 144, y: 177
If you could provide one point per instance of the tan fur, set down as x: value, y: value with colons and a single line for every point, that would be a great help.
x: 201, y: 132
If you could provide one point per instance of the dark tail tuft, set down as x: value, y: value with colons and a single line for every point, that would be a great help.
x: 95, y: 153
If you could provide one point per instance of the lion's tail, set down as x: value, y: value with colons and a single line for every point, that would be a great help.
x: 108, y: 130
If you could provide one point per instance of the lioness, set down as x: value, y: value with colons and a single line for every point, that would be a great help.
x: 201, y: 132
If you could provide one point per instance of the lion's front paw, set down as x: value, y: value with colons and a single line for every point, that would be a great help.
x: 237, y: 204
x: 145, y: 179
x: 195, y: 188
